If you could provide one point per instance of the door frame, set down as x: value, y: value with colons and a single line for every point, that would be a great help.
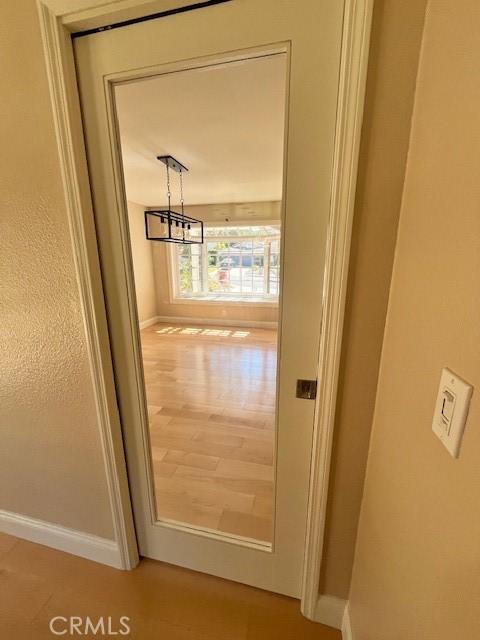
x: 60, y: 18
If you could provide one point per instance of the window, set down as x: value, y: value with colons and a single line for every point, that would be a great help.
x: 233, y: 263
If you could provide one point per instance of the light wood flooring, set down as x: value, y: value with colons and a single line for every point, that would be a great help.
x: 211, y: 397
x: 162, y: 601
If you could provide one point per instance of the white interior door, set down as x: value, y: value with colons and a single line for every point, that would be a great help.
x: 308, y: 32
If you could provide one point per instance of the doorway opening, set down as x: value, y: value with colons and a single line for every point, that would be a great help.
x: 209, y: 312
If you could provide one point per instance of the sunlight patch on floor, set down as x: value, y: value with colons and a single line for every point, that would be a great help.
x: 194, y: 331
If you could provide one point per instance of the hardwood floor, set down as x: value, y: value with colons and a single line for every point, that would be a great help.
x: 161, y: 601
x: 211, y: 401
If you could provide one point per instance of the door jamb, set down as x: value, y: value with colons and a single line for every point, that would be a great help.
x: 350, y: 106
x: 58, y: 18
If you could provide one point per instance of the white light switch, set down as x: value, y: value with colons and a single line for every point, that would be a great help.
x: 451, y: 410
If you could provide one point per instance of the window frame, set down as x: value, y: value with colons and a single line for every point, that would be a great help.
x: 176, y: 297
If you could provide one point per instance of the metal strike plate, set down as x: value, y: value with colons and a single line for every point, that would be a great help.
x: 307, y: 389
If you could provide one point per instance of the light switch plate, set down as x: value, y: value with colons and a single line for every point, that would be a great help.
x: 451, y: 410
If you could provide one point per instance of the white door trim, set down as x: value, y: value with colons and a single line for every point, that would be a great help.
x: 353, y: 74
x: 60, y: 17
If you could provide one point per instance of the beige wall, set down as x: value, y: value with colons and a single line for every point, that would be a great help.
x: 142, y: 263
x: 251, y: 212
x: 417, y: 564
x: 51, y: 464
x: 395, y: 45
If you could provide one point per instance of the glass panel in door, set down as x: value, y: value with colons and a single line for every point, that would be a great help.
x: 210, y: 371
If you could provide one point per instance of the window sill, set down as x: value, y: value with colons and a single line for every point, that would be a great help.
x: 227, y: 301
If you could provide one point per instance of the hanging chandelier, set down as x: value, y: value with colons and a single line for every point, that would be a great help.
x: 166, y: 225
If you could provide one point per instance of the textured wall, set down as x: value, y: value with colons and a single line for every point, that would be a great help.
x: 417, y: 564
x: 395, y: 45
x: 51, y: 465
x: 142, y: 256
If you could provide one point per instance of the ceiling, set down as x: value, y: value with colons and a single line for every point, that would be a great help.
x: 225, y: 123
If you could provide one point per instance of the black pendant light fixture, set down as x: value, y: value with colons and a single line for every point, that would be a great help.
x: 166, y: 225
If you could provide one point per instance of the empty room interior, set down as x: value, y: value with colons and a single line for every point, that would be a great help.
x: 208, y: 312
x: 239, y: 303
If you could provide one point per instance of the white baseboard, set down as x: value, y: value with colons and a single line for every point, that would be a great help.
x: 253, y: 324
x: 347, y: 633
x: 148, y: 323
x: 330, y: 611
x: 77, y: 543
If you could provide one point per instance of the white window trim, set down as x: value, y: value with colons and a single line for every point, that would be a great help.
x: 227, y: 300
